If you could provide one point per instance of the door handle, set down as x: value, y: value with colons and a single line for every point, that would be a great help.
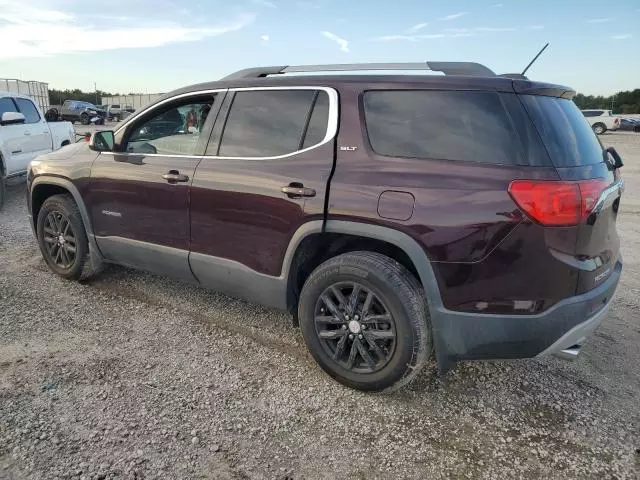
x: 27, y: 133
x: 174, y: 176
x: 297, y: 190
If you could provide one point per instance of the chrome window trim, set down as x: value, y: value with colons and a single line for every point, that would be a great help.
x: 332, y: 122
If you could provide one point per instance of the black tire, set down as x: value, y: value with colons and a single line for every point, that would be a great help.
x: 82, y: 266
x: 397, y: 292
x: 84, y: 119
x: 599, y: 128
x: 636, y: 129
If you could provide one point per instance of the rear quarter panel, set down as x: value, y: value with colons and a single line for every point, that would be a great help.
x: 480, y: 245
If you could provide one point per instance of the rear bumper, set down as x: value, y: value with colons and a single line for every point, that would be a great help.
x: 568, y: 345
x: 560, y: 330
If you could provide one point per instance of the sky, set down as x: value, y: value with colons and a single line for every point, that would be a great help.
x: 153, y: 46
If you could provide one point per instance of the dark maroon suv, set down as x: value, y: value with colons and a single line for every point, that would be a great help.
x: 465, y: 216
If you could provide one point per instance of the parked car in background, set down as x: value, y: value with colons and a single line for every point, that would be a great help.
x: 469, y: 214
x: 117, y: 112
x: 601, y: 120
x: 630, y: 124
x: 25, y: 134
x: 77, y: 111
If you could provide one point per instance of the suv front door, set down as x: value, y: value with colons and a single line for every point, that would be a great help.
x: 139, y: 193
x: 264, y: 174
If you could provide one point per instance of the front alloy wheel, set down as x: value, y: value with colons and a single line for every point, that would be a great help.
x: 63, y: 240
x: 60, y: 240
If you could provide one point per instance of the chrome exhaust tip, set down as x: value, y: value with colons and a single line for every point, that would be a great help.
x: 570, y: 353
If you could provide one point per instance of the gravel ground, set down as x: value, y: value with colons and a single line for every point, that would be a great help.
x: 136, y: 376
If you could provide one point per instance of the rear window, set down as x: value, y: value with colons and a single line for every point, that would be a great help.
x: 451, y: 125
x: 564, y: 131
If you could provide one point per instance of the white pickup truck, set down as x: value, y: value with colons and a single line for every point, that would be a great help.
x: 25, y: 134
x: 601, y: 120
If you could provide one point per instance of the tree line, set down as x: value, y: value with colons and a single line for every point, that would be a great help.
x: 621, y: 102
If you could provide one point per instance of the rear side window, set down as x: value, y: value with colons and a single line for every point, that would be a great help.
x: 592, y: 113
x: 450, y: 125
x: 7, y: 105
x: 564, y: 131
x: 268, y: 123
x: 29, y: 110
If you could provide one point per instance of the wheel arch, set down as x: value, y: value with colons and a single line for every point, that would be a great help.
x: 43, y: 187
x: 402, y: 245
x: 400, y: 241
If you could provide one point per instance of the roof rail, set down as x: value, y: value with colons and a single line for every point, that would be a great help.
x: 448, y: 68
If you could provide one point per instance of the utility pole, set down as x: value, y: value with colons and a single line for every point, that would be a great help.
x: 95, y: 87
x: 612, y: 99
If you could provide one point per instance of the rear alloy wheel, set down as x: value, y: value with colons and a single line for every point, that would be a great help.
x: 365, y: 321
x: 84, y: 119
x: 599, y: 128
x: 355, y: 327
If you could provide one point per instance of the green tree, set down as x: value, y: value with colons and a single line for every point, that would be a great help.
x: 623, y: 102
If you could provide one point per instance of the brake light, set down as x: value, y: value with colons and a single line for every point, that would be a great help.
x: 554, y: 203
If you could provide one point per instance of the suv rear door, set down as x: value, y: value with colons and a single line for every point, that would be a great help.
x: 264, y: 174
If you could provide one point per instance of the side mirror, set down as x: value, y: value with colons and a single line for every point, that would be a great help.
x: 12, y: 118
x: 102, y: 141
x: 614, y: 161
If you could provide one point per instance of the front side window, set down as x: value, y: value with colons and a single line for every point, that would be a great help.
x: 447, y: 125
x: 28, y: 109
x: 270, y: 123
x: 7, y: 105
x: 174, y: 130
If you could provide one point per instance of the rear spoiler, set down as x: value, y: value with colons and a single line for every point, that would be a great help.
x: 527, y: 87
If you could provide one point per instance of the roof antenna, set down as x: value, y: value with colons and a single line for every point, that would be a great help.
x: 535, y: 58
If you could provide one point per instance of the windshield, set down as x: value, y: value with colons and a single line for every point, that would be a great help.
x: 564, y: 130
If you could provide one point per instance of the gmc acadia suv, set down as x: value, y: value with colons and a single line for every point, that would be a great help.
x: 470, y: 215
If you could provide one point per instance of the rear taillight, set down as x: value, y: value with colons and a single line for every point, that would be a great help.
x: 557, y: 203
